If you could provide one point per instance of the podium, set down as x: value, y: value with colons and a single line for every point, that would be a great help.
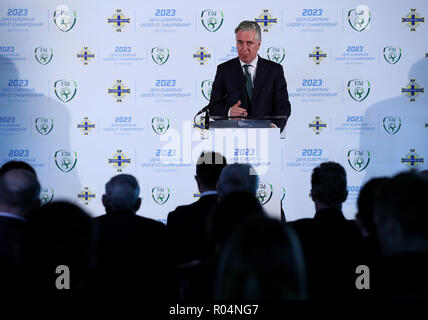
x: 255, y: 143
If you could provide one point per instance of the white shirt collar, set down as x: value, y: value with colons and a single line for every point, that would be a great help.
x: 252, y: 63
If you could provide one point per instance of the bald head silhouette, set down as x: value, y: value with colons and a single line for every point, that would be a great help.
x: 19, y: 192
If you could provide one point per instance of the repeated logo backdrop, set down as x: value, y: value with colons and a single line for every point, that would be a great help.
x: 88, y: 91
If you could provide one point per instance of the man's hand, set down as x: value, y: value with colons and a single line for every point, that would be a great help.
x: 237, y: 111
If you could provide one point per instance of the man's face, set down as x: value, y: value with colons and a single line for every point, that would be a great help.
x: 247, y: 45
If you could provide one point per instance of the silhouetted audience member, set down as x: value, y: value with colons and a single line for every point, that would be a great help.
x: 262, y: 261
x: 364, y: 219
x: 17, y: 165
x: 330, y: 242
x: 19, y: 195
x: 401, y: 219
x: 237, y: 177
x: 231, y: 212
x: 189, y: 235
x: 187, y: 225
x: 58, y: 235
x: 132, y: 254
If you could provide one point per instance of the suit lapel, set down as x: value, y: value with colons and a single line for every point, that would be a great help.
x: 260, y: 76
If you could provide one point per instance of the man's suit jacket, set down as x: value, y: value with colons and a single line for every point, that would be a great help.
x: 188, y: 230
x: 132, y: 256
x: 331, y: 245
x: 270, y: 95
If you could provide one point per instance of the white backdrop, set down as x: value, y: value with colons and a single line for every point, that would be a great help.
x: 353, y: 104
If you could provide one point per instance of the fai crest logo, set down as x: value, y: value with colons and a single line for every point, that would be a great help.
x: 266, y: 20
x: 358, y: 89
x: 43, y: 55
x: 119, y: 160
x: 44, y: 125
x: 212, y: 20
x: 119, y: 91
x: 160, y: 55
x: 283, y: 194
x: 359, y: 18
x: 412, y: 159
x: 413, y: 19
x: 160, y: 125
x: 391, y: 124
x: 412, y: 90
x: 206, y: 87
x: 85, y: 55
x: 392, y: 54
x: 317, y: 55
x: 65, y: 160
x: 264, y: 192
x: 202, y: 56
x: 317, y: 125
x: 276, y: 54
x: 86, y: 196
x: 85, y: 126
x: 65, y: 90
x: 161, y: 194
x: 46, y: 195
x: 358, y: 159
x: 119, y: 20
x: 64, y: 18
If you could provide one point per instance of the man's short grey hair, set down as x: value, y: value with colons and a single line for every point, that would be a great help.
x: 250, y: 26
x: 122, y: 192
x: 237, y: 178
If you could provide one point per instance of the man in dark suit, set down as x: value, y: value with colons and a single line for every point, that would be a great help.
x: 187, y: 225
x: 19, y: 195
x: 250, y: 86
x: 132, y: 252
x: 330, y: 243
x: 189, y: 233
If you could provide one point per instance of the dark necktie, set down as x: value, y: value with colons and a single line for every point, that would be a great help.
x: 248, y: 82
